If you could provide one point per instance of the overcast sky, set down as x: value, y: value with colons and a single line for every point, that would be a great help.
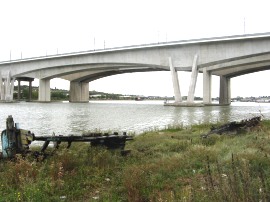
x: 35, y: 28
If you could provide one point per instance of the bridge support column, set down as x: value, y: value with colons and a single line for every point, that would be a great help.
x: 176, y: 88
x: 1, y: 88
x: 19, y: 90
x: 44, y: 94
x: 79, y: 92
x: 207, y: 86
x: 30, y: 80
x: 193, y: 80
x: 30, y: 90
x: 6, y: 87
x: 11, y: 90
x: 225, y: 91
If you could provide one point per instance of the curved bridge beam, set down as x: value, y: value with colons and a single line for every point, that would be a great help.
x: 67, y: 72
x: 247, y: 71
x: 88, y: 77
x: 243, y: 69
x: 79, y: 87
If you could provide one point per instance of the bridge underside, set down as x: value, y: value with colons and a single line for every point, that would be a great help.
x: 79, y: 81
x: 226, y: 69
x: 236, y: 67
x: 80, y: 77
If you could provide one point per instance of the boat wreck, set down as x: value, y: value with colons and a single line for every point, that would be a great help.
x: 17, y: 141
x: 234, y: 127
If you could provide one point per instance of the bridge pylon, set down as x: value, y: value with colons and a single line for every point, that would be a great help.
x: 6, y: 87
x: 207, y: 86
x: 44, y: 93
x: 175, y: 81
x: 193, y: 80
x: 79, y: 91
x: 225, y: 91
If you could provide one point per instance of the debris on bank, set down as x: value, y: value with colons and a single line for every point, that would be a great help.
x: 17, y: 141
x: 234, y: 127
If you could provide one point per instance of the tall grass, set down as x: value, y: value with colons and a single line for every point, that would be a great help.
x: 168, y: 165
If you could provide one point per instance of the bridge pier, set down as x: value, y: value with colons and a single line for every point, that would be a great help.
x: 193, y: 81
x: 1, y: 88
x: 44, y: 94
x: 207, y: 86
x: 225, y: 91
x: 6, y: 87
x: 79, y: 92
x: 30, y: 80
x: 176, y: 88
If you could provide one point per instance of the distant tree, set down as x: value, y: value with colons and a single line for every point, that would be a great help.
x: 34, y: 95
x: 25, y: 93
x: 58, y: 95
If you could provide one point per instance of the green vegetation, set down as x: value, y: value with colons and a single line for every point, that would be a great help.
x: 56, y: 94
x: 170, y: 165
x: 24, y: 95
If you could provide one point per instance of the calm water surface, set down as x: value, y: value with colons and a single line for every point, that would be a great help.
x: 130, y: 116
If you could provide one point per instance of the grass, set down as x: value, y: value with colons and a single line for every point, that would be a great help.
x: 168, y: 165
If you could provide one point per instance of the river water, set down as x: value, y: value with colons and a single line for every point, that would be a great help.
x: 66, y: 118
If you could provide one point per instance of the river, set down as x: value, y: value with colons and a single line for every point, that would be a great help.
x: 66, y: 118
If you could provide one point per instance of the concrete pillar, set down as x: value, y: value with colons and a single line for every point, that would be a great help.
x: 30, y: 90
x: 19, y: 90
x: 1, y: 87
x: 8, y: 87
x: 176, y: 88
x: 44, y: 94
x: 12, y: 88
x: 225, y: 90
x: 79, y: 92
x: 207, y: 86
x: 193, y: 80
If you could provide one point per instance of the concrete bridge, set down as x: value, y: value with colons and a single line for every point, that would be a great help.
x: 226, y: 57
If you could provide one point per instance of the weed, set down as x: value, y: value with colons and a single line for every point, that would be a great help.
x: 174, y: 164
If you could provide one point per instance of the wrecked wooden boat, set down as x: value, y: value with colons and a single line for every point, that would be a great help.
x: 234, y: 127
x: 17, y: 141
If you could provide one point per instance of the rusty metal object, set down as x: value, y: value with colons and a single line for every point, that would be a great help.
x: 17, y: 141
x: 113, y: 141
x: 14, y: 140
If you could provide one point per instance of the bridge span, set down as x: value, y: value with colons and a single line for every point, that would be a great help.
x: 226, y: 57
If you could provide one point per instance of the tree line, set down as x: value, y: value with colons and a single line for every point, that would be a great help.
x: 60, y: 94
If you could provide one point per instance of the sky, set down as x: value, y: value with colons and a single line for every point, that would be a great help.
x: 32, y: 28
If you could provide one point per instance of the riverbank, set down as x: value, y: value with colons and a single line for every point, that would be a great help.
x: 168, y: 165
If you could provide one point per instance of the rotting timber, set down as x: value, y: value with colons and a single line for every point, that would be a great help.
x: 234, y: 127
x: 17, y: 141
